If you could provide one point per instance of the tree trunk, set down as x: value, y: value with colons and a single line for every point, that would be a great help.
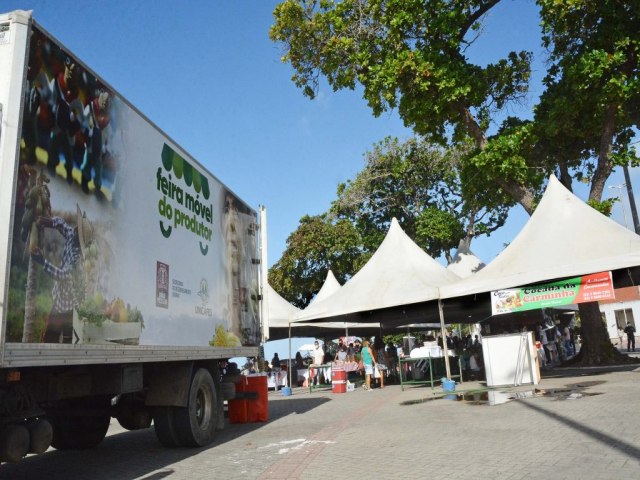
x: 29, y: 303
x: 522, y: 195
x: 605, y: 166
x: 596, y: 348
x: 565, y: 176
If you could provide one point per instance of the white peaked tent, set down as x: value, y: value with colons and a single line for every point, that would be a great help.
x: 280, y: 311
x: 465, y: 263
x: 564, y: 237
x: 329, y: 287
x: 398, y: 273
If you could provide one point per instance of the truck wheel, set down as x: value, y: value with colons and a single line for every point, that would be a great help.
x: 78, y: 432
x: 163, y: 424
x: 195, y: 424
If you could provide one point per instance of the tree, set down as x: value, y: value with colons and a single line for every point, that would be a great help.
x: 420, y: 184
x: 587, y: 116
x: 410, y: 56
x: 588, y: 113
x: 317, y: 245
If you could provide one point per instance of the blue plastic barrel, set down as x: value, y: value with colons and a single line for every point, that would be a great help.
x: 448, y: 385
x: 286, y: 391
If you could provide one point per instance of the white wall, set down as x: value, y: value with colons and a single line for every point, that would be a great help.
x: 610, y: 308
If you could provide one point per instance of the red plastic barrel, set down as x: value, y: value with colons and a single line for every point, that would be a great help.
x: 250, y: 410
x: 258, y: 409
x: 338, y: 379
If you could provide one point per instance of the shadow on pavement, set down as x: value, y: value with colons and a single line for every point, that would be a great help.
x: 562, y: 372
x: 138, y: 454
x: 606, y: 440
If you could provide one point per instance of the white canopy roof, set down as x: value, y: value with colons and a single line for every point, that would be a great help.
x: 329, y: 287
x: 465, y: 263
x: 564, y: 237
x: 280, y: 311
x: 398, y: 273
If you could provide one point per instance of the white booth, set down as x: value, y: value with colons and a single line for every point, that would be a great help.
x: 510, y: 360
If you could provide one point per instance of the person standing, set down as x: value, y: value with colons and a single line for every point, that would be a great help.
x: 341, y: 352
x: 298, y: 365
x: 381, y: 358
x: 630, y: 330
x: 544, y: 341
x: 275, y: 361
x: 317, y: 355
x: 369, y: 361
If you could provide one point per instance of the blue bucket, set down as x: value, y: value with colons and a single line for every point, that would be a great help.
x: 286, y: 391
x: 448, y: 385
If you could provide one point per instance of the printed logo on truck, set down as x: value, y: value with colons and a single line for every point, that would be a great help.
x: 204, y: 309
x: 162, y: 285
x: 181, y: 204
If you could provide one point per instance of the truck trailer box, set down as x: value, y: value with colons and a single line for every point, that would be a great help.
x: 116, y: 246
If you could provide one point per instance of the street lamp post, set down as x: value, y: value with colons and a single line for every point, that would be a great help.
x: 624, y: 213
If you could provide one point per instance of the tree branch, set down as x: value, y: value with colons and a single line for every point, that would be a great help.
x: 475, y: 16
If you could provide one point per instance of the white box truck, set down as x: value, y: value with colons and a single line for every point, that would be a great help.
x: 128, y: 273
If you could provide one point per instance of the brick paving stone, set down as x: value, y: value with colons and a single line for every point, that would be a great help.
x: 391, y: 433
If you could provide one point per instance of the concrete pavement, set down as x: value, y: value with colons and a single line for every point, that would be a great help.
x: 582, y: 423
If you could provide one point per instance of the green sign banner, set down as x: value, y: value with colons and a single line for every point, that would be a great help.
x: 588, y: 288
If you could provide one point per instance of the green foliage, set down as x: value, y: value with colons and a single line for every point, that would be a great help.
x: 419, y: 184
x: 414, y: 181
x: 410, y: 56
x: 317, y: 245
x: 407, y: 55
x: 587, y: 116
x: 438, y: 230
x: 605, y: 207
x: 508, y: 154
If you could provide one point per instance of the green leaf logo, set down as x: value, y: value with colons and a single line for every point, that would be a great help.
x: 172, y: 161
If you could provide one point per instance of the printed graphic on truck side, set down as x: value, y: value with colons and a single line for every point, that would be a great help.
x: 118, y: 236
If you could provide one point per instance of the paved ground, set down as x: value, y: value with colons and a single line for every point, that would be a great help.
x: 584, y: 424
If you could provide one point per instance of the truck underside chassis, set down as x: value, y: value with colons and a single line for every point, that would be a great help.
x: 71, y: 408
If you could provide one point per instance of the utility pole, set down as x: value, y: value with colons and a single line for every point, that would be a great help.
x: 632, y: 202
x: 619, y: 197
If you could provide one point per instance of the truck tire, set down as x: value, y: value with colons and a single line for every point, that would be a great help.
x: 163, y: 424
x: 195, y: 424
x: 78, y: 432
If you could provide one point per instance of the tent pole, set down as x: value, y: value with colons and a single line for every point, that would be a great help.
x: 289, y: 368
x: 444, y: 340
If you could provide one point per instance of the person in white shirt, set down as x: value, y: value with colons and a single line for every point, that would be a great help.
x: 317, y: 354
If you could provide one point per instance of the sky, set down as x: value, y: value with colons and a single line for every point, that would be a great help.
x: 206, y: 72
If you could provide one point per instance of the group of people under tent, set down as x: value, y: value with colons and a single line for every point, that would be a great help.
x: 374, y: 360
